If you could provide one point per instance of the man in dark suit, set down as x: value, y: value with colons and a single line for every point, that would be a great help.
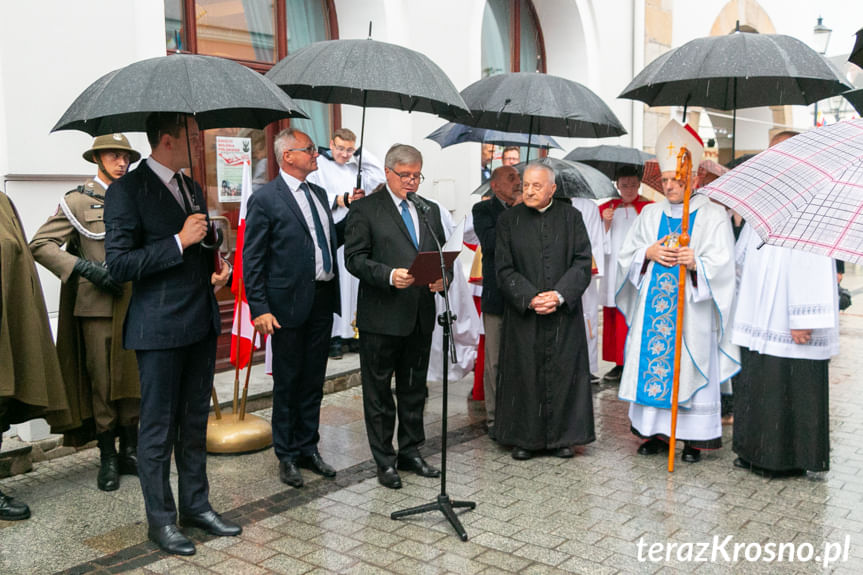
x: 506, y: 185
x: 292, y: 286
x: 154, y: 228
x: 395, y: 317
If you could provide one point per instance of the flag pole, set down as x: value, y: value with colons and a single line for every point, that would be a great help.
x: 684, y: 172
x: 239, y: 311
x: 248, y: 367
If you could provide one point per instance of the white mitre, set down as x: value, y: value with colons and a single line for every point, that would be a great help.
x: 669, y: 142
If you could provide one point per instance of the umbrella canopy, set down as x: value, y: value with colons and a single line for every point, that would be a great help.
x: 573, y: 180
x: 855, y: 98
x: 805, y: 193
x: 219, y: 93
x: 451, y: 133
x: 739, y: 70
x: 531, y: 103
x: 609, y: 159
x: 368, y: 73
x: 857, y: 53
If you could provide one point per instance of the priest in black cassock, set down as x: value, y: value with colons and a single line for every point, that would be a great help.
x: 543, y: 262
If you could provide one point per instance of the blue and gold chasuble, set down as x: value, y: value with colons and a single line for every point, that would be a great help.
x: 656, y: 357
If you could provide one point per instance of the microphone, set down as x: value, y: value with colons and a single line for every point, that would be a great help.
x: 421, y: 204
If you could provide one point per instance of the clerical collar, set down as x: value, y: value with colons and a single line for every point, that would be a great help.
x: 543, y: 210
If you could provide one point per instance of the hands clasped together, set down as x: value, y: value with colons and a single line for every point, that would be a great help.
x: 545, y: 303
x: 670, y: 256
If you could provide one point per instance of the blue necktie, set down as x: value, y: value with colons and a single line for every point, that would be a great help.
x: 409, y: 222
x: 319, y: 231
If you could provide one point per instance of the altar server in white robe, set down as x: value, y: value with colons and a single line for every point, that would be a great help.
x: 590, y: 297
x: 786, y: 322
x: 337, y: 174
x: 647, y: 291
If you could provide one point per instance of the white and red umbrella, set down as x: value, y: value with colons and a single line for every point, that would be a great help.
x: 805, y: 193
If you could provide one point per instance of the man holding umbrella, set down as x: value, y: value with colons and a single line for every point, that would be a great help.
x: 647, y: 295
x: 101, y: 377
x: 154, y: 234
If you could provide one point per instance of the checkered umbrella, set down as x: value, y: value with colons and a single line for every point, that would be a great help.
x: 805, y: 193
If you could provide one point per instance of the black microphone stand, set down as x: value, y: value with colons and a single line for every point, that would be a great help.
x: 442, y: 503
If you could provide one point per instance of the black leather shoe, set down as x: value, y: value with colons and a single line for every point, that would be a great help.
x: 212, y: 523
x: 613, y: 375
x: 418, y: 465
x: 564, y: 452
x: 171, y: 540
x: 742, y: 463
x: 652, y: 446
x: 389, y: 477
x: 316, y: 464
x: 11, y: 510
x: 521, y: 454
x: 109, y: 463
x: 289, y: 473
x: 690, y: 454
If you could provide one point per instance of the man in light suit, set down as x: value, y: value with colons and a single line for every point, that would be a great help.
x: 292, y: 285
x: 395, y: 317
x: 154, y: 227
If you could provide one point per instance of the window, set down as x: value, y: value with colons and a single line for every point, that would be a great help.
x: 511, y: 38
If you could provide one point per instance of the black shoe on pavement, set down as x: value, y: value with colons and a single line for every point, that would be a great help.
x: 564, y: 452
x: 613, y: 375
x: 108, y: 478
x: 690, y: 454
x: 389, y: 477
x: 652, y: 446
x: 418, y: 465
x: 316, y: 464
x: 336, y: 348
x: 521, y: 454
x: 212, y: 523
x: 353, y: 344
x: 742, y: 463
x: 171, y: 540
x: 11, y: 510
x: 289, y: 473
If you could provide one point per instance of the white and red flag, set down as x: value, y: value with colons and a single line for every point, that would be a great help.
x: 243, y: 328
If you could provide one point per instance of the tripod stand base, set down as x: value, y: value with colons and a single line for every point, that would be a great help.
x: 445, y: 506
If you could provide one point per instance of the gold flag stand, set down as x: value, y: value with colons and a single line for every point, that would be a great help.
x: 236, y: 431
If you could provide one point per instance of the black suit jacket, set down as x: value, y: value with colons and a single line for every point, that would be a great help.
x: 173, y: 303
x: 485, y: 214
x: 376, y: 242
x: 279, y: 254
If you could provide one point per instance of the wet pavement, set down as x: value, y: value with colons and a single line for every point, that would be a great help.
x: 607, y: 510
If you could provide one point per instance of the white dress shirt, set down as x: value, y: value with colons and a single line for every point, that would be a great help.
x: 300, y: 196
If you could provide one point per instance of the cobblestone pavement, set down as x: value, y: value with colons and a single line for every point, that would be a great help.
x: 546, y: 515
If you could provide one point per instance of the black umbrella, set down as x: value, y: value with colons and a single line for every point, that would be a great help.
x: 219, y: 93
x: 609, y: 159
x: 451, y: 134
x: 369, y: 73
x: 532, y: 103
x: 738, y: 70
x: 573, y: 179
x: 855, y: 97
x: 856, y: 55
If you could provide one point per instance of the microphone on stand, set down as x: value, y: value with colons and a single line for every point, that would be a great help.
x: 421, y: 204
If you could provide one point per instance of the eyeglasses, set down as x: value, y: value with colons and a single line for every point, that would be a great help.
x: 310, y: 150
x: 343, y: 150
x: 407, y: 178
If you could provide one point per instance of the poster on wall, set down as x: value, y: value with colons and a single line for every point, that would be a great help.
x: 231, y: 154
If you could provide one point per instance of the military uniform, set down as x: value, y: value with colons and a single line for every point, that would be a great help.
x: 101, y: 377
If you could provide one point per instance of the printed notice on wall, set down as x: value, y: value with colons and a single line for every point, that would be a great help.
x: 231, y: 153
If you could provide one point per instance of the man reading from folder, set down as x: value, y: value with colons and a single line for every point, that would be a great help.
x: 395, y: 317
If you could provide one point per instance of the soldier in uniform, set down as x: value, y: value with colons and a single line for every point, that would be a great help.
x: 101, y: 378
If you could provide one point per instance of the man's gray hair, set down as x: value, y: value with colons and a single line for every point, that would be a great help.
x: 402, y: 154
x: 285, y: 139
x: 537, y: 166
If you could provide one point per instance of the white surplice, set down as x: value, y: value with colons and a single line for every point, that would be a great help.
x: 590, y: 297
x: 783, y: 289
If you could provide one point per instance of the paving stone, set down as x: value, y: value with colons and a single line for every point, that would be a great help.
x: 286, y: 565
